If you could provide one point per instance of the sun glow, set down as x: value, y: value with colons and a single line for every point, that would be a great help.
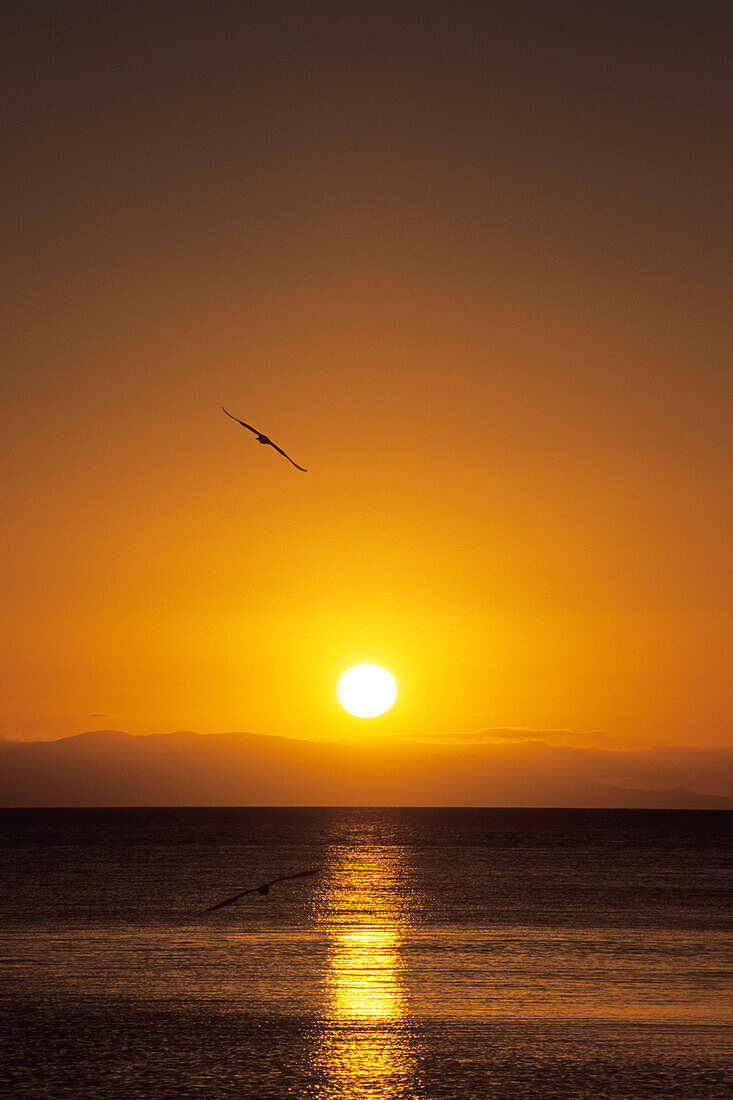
x: 366, y: 690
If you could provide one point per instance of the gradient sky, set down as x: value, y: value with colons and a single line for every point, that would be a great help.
x: 467, y: 262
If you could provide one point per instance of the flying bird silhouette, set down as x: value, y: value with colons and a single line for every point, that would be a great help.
x: 263, y: 439
x: 263, y: 888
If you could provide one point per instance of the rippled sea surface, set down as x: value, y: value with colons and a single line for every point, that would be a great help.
x: 436, y: 954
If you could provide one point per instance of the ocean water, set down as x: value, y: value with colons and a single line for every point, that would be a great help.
x: 436, y: 954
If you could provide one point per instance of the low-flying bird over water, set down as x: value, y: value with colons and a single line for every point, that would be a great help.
x: 263, y: 888
x: 263, y: 439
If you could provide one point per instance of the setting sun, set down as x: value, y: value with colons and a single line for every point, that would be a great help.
x: 366, y: 690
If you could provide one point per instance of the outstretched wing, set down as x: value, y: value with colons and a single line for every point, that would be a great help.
x: 263, y: 439
x: 255, y: 889
x: 282, y: 452
x: 298, y: 874
x: 228, y: 901
x: 253, y: 430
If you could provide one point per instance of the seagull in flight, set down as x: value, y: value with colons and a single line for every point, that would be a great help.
x: 263, y: 888
x: 263, y: 439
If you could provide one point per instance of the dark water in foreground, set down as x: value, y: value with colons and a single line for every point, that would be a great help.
x: 439, y: 954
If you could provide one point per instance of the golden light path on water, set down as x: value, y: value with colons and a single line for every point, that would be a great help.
x: 365, y: 1050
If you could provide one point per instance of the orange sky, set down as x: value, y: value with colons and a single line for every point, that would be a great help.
x: 467, y: 263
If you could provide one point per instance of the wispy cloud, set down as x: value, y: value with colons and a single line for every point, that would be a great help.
x: 510, y: 735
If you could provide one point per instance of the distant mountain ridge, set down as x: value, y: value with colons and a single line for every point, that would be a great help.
x: 112, y: 768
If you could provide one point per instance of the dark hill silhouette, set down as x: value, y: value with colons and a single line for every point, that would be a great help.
x: 111, y: 768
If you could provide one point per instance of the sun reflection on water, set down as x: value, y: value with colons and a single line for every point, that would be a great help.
x: 365, y: 1049
x: 364, y: 975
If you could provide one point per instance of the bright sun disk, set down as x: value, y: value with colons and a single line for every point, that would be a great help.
x: 366, y: 690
